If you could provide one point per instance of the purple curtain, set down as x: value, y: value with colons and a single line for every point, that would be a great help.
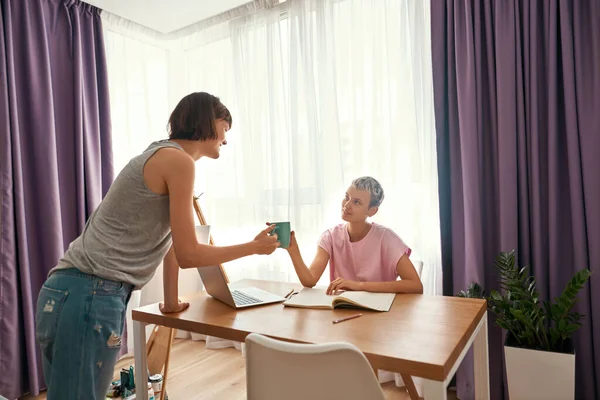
x: 517, y: 91
x: 55, y: 157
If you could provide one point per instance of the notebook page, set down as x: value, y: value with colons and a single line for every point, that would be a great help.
x: 310, y: 298
x: 376, y: 301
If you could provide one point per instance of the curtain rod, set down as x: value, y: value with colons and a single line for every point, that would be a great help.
x: 242, y: 11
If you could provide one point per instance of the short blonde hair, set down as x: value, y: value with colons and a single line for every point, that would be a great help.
x: 372, y: 186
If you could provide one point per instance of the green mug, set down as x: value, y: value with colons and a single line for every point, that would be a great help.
x: 283, y: 231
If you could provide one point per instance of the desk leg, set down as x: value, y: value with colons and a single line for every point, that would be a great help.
x: 435, y: 390
x: 482, y: 362
x: 410, y: 387
x: 141, y: 365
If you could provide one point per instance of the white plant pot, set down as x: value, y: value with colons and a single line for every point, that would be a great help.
x: 534, y: 374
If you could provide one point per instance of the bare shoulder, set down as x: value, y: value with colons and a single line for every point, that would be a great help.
x: 167, y: 165
x: 169, y: 161
x: 169, y: 155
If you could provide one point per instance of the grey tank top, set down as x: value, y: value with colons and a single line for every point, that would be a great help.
x: 128, y: 235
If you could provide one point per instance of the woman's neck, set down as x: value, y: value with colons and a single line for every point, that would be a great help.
x: 191, y: 147
x: 358, y: 230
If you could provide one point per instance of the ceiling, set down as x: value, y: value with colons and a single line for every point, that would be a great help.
x: 166, y: 16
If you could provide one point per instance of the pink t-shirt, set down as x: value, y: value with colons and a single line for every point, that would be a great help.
x: 371, y: 259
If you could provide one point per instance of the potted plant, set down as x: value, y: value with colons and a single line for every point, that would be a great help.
x: 474, y: 291
x: 539, y: 350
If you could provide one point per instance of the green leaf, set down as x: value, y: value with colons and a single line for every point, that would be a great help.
x: 496, y: 296
x: 534, y: 324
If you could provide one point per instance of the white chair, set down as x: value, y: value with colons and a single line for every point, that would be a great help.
x: 419, y: 267
x: 277, y: 370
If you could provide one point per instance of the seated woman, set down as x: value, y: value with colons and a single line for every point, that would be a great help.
x: 362, y: 255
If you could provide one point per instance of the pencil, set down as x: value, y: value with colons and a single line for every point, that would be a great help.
x: 337, y: 321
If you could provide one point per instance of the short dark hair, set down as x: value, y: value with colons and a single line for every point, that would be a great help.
x: 195, y: 115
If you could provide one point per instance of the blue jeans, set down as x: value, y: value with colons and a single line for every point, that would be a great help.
x: 79, y: 322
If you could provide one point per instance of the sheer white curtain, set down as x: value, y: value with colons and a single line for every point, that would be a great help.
x: 263, y: 174
x: 138, y: 84
x: 321, y: 92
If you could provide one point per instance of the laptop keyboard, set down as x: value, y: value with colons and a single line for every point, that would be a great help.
x: 242, y: 299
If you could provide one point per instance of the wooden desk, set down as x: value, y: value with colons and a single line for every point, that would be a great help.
x: 424, y: 336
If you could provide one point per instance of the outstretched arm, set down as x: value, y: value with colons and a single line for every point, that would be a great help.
x: 178, y: 175
x: 308, y: 276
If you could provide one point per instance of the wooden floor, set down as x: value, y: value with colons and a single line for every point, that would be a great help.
x: 197, y: 373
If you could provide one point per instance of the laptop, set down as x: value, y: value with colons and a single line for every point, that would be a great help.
x: 216, y: 285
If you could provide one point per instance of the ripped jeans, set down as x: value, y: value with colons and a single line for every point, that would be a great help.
x: 79, y: 323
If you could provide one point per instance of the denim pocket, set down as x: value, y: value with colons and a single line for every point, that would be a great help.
x: 108, y: 288
x: 49, y: 308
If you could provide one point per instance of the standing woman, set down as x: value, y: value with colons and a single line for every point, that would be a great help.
x: 146, y: 217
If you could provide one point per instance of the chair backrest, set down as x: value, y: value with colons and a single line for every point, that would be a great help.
x: 278, y: 370
x: 419, y: 267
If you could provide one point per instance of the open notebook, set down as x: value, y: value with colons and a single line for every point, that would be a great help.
x: 317, y: 298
